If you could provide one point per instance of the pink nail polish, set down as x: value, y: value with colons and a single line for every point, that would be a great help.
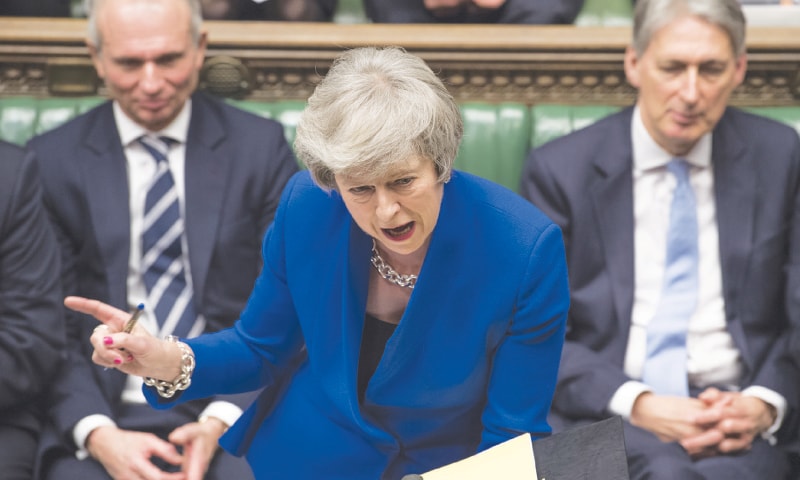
x: 108, y: 340
x: 130, y: 358
x: 117, y: 361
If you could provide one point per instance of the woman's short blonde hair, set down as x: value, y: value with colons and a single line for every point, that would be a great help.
x: 377, y: 108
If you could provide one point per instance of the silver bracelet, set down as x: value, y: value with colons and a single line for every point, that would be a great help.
x: 182, y: 381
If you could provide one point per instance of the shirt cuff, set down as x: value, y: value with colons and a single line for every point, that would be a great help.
x: 776, y: 400
x: 84, y: 427
x: 225, y: 411
x: 622, y: 402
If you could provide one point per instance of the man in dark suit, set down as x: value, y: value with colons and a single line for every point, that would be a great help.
x: 541, y: 12
x: 225, y: 170
x: 735, y: 194
x: 31, y: 316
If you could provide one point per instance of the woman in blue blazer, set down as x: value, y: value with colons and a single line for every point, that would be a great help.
x: 407, y: 315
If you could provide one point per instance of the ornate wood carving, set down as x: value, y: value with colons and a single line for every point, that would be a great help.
x: 496, y: 63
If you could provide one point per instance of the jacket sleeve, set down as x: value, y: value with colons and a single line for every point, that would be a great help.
x: 525, y: 365
x: 31, y: 319
x: 264, y: 343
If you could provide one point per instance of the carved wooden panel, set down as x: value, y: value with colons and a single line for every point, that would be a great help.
x: 496, y: 63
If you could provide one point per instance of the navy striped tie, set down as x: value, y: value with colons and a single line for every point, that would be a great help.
x: 169, y: 294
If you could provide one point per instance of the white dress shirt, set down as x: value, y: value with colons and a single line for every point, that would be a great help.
x: 713, y: 357
x: 141, y: 168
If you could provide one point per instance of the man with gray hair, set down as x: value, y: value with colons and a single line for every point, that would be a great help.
x: 159, y: 197
x: 679, y: 215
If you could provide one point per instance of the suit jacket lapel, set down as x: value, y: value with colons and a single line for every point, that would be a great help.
x: 735, y: 190
x: 444, y: 251
x: 612, y: 196
x: 104, y: 170
x: 355, y: 282
x: 206, y: 174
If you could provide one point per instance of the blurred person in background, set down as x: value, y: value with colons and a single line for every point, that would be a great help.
x: 31, y: 318
x: 533, y: 12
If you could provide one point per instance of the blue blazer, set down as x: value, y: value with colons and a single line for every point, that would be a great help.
x: 473, y: 361
x: 583, y: 181
x: 236, y: 167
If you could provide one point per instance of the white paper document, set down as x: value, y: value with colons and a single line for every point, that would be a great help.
x: 510, y: 460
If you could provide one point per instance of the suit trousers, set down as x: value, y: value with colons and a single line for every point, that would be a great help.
x: 18, y: 452
x: 159, y: 422
x: 649, y: 458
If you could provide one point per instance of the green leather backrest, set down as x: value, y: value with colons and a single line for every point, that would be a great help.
x: 606, y: 13
x: 23, y: 117
x: 787, y: 115
x: 350, y: 11
x: 285, y: 111
x: 497, y: 136
x: 496, y: 141
x: 550, y: 121
x: 18, y: 118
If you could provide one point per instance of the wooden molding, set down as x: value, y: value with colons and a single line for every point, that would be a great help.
x: 495, y: 63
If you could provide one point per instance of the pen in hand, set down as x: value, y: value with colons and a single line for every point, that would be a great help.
x: 134, y: 317
x: 128, y: 328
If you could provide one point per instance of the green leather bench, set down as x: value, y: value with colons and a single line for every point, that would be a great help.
x: 497, y: 136
x: 605, y: 13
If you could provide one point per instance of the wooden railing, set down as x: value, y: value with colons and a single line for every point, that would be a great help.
x: 275, y: 60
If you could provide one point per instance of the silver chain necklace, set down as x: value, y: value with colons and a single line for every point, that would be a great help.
x: 389, y: 273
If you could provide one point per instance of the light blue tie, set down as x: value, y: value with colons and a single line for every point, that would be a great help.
x: 665, y: 366
x: 169, y: 294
